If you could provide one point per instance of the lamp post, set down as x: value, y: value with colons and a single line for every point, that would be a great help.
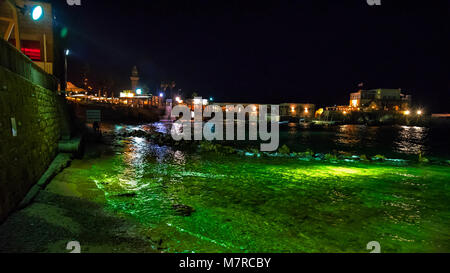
x: 66, y: 53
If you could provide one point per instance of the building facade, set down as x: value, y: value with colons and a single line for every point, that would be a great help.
x: 380, y: 99
x: 297, y: 110
x: 33, y: 37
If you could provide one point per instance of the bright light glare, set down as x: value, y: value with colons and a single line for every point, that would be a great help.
x: 161, y: 95
x: 407, y: 112
x: 36, y: 13
x: 419, y: 112
x: 67, y: 52
x: 139, y: 91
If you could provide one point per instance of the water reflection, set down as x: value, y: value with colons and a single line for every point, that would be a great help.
x: 241, y: 204
x: 392, y: 141
x: 351, y: 134
x: 411, y: 140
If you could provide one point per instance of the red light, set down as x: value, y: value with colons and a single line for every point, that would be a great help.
x: 32, y: 53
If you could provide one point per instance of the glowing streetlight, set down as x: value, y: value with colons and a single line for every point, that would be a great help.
x: 37, y: 13
x: 161, y: 95
x: 407, y: 112
x: 66, y: 53
x: 419, y: 112
x: 139, y: 91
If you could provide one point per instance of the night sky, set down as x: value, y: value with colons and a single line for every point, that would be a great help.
x: 265, y: 51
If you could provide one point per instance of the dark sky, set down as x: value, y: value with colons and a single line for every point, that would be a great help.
x: 266, y: 51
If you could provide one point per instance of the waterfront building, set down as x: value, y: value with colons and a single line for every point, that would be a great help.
x: 297, y: 110
x: 72, y: 89
x: 380, y: 99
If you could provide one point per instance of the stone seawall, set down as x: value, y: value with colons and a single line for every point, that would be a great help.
x: 25, y: 157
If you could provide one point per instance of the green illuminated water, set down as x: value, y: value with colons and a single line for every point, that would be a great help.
x: 242, y: 204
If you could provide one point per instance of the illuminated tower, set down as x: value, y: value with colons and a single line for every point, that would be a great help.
x: 134, y: 78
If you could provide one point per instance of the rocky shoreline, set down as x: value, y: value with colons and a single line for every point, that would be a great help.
x: 219, y: 147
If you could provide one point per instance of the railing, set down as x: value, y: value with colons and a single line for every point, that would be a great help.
x: 20, y: 64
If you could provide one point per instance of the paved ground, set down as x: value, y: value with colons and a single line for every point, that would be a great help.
x: 70, y: 209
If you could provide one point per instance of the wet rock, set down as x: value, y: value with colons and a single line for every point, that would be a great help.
x: 423, y: 159
x: 331, y: 157
x: 319, y: 156
x: 378, y: 158
x: 183, y: 210
x: 127, y: 194
x: 284, y: 150
x: 364, y: 158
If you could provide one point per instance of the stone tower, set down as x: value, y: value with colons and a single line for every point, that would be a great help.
x: 134, y: 78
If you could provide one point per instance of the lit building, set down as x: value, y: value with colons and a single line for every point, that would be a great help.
x: 73, y: 89
x: 28, y: 30
x: 380, y: 99
x: 297, y: 110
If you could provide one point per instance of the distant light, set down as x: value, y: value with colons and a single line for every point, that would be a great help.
x: 161, y: 95
x: 67, y: 52
x: 419, y: 112
x: 37, y: 12
x: 126, y: 95
x: 139, y: 91
x: 345, y: 112
x: 211, y: 99
x: 407, y: 112
x: 306, y: 110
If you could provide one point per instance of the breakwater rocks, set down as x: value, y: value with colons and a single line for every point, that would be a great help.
x: 224, y: 148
